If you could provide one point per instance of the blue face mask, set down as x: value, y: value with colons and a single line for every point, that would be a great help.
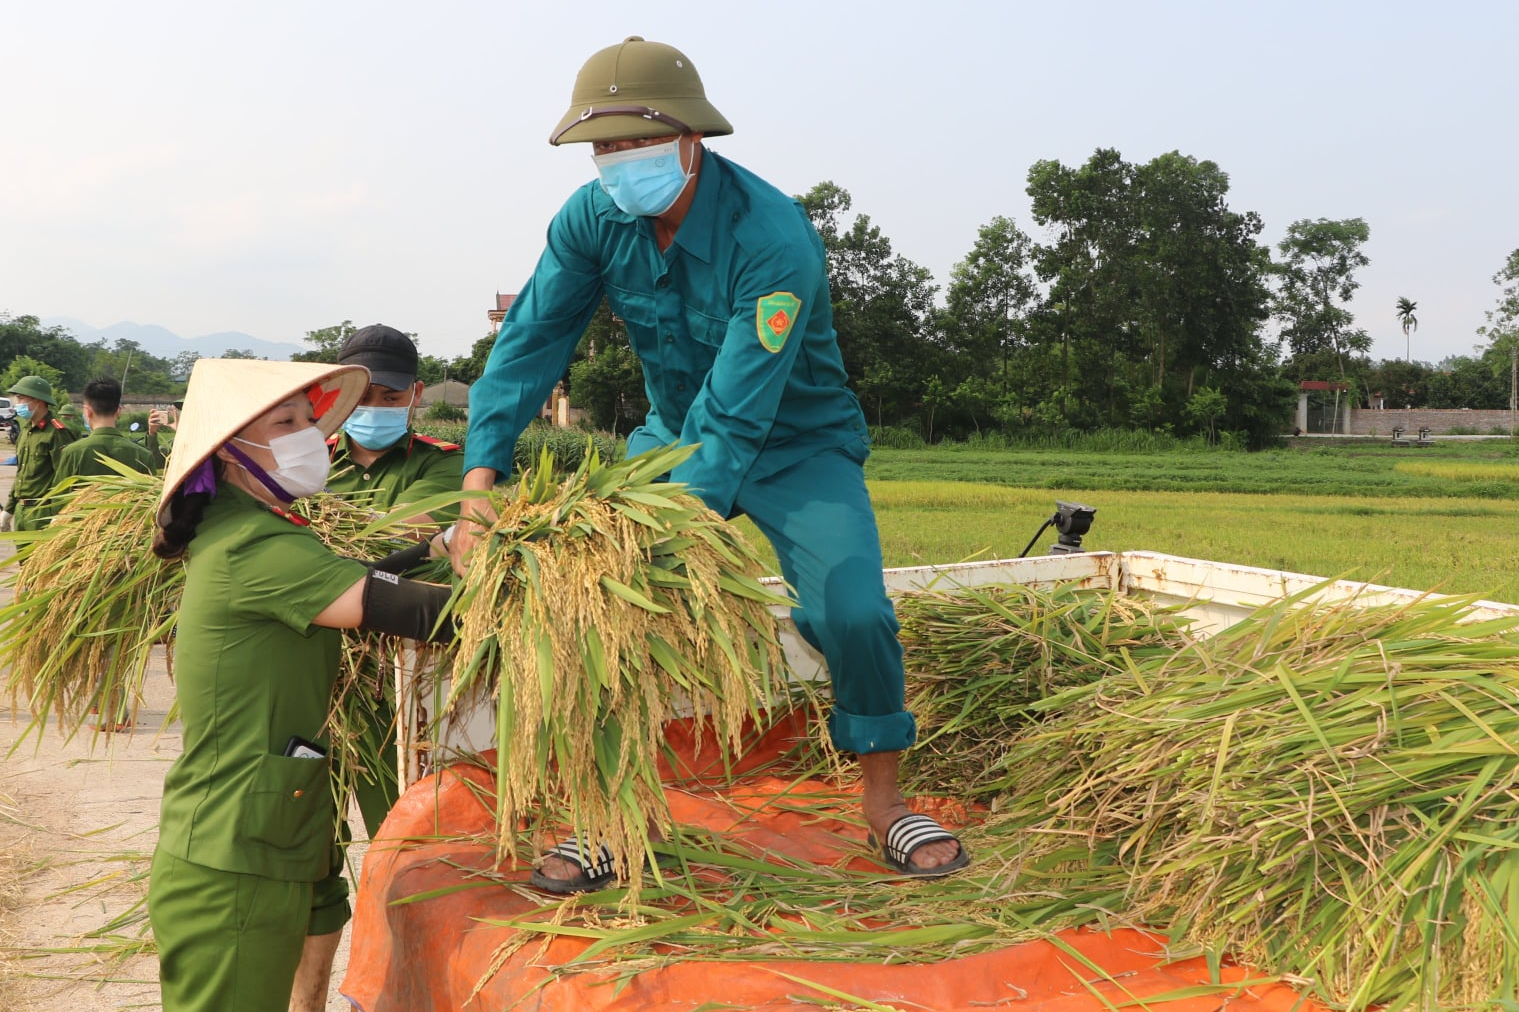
x: 377, y: 428
x: 644, y: 182
x: 23, y: 410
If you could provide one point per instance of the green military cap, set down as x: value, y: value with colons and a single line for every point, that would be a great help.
x: 34, y: 386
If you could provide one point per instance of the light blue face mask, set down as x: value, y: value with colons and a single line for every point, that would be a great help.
x: 377, y: 428
x: 644, y: 182
x: 23, y: 410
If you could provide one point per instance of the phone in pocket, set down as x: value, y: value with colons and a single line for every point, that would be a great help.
x: 299, y: 748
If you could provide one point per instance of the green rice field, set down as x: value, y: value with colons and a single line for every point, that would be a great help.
x: 1441, y: 518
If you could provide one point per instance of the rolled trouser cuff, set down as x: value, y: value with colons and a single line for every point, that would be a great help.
x: 852, y: 732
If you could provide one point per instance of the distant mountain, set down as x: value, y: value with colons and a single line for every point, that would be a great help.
x: 164, y: 343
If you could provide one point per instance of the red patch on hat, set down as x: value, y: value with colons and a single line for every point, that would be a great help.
x: 321, y: 399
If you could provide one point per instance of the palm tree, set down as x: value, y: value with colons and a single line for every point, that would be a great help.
x: 1409, y: 321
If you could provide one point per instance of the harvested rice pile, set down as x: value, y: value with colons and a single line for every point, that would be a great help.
x: 979, y: 658
x: 597, y: 609
x: 1328, y: 793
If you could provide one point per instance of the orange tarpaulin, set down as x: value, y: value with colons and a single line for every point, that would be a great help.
x: 430, y: 955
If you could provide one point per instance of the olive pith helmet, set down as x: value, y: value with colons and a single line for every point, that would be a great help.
x: 34, y: 386
x: 638, y: 89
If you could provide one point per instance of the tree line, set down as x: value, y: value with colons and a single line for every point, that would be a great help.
x: 1145, y: 302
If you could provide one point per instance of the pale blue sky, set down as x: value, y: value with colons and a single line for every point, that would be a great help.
x: 282, y: 166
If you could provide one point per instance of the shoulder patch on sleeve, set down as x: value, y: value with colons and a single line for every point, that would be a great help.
x: 774, y: 315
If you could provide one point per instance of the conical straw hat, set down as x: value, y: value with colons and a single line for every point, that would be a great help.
x: 225, y: 395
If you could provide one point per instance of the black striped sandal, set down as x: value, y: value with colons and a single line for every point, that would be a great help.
x: 596, y: 871
x: 912, y: 831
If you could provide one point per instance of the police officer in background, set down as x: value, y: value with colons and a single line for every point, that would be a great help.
x: 43, y: 438
x: 87, y: 456
x: 377, y: 451
x: 721, y: 281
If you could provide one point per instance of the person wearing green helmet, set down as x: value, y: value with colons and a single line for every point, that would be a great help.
x: 722, y: 283
x: 38, y: 452
x: 70, y: 415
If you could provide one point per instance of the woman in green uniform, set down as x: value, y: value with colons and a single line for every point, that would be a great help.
x: 248, y: 809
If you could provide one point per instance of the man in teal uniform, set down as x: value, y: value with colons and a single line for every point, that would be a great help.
x: 102, y: 405
x: 721, y: 281
x: 43, y: 438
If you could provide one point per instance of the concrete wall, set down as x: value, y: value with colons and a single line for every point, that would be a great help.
x: 1371, y: 422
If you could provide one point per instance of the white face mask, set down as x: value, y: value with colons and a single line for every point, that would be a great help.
x: 300, y: 459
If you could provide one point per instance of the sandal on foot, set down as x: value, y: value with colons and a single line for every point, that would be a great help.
x: 907, y: 834
x: 596, y: 871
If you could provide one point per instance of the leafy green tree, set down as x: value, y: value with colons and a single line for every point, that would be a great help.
x: 1154, y: 285
x: 181, y: 365
x: 432, y: 369
x: 327, y: 341
x: 1316, y: 278
x: 1205, y: 408
x: 138, y: 371
x: 1402, y: 384
x: 1408, y: 321
x: 988, y: 299
x: 25, y: 365
x: 235, y: 353
x: 25, y: 335
x: 881, y: 307
x: 605, y: 378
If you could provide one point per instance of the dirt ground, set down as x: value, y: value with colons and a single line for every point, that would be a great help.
x: 78, y: 821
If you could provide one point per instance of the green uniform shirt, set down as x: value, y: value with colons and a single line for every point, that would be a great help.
x: 87, y: 455
x: 37, y: 455
x: 416, y: 467
x: 251, y: 672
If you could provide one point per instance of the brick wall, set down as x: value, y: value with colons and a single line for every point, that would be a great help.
x: 1367, y: 422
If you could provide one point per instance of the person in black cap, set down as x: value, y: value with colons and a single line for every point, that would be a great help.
x: 377, y: 452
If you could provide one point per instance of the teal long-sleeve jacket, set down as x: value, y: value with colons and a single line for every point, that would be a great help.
x: 732, y: 324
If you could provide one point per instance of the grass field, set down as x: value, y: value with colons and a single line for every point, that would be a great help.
x: 1443, y: 518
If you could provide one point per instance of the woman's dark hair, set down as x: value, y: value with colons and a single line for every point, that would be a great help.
x: 185, y: 511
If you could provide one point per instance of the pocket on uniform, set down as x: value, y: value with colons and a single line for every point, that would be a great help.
x: 708, y: 330
x: 289, y: 805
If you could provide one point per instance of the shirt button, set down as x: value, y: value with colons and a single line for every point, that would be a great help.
x: 366, y: 477
x: 298, y: 793
x: 680, y: 386
x: 663, y: 282
x: 669, y: 339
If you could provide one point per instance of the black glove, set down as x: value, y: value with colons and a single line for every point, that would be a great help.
x: 410, y: 608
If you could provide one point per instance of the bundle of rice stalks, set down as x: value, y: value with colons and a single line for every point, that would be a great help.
x: 595, y: 610
x: 1328, y: 791
x: 978, y: 658
x: 91, y: 600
